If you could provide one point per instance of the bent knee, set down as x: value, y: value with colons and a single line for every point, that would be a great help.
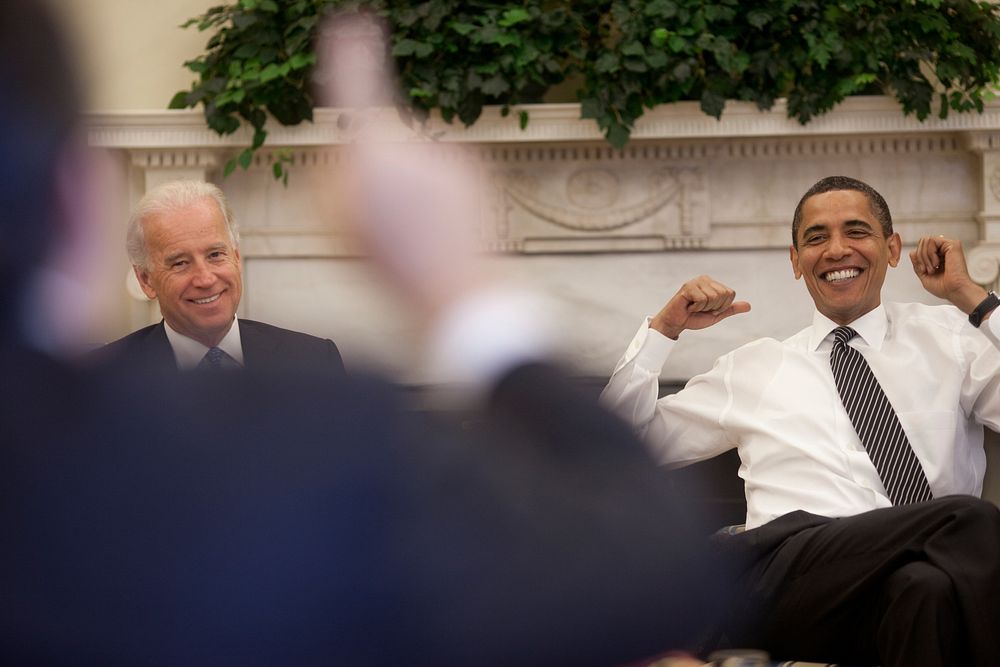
x: 972, y: 510
x: 922, y: 580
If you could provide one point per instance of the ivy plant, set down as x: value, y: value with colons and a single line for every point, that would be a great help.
x: 628, y: 56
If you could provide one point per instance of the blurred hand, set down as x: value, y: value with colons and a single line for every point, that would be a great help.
x: 414, y: 204
x: 699, y: 303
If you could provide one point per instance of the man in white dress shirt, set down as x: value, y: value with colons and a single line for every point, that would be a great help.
x: 834, y: 569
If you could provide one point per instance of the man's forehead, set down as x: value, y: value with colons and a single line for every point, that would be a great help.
x: 837, y: 207
x: 194, y: 222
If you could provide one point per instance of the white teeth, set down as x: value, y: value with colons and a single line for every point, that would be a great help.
x: 209, y: 299
x: 842, y: 275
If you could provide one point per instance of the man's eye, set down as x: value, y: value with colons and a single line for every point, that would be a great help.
x: 179, y: 264
x: 812, y: 240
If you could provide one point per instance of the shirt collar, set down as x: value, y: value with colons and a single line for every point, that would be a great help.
x: 870, y: 327
x: 189, y: 352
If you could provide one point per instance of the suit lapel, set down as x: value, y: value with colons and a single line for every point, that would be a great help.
x: 156, y: 348
x: 257, y: 345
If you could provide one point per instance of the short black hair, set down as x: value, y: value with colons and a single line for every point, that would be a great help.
x: 39, y: 108
x: 834, y: 183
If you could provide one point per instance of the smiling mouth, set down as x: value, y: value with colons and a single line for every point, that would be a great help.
x: 841, y: 275
x: 208, y: 299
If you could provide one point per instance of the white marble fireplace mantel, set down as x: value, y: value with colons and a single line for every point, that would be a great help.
x: 607, y: 234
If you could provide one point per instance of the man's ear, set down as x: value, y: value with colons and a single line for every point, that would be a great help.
x: 142, y: 275
x: 793, y: 254
x: 895, y: 249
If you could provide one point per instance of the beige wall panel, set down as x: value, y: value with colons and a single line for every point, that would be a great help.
x: 134, y: 50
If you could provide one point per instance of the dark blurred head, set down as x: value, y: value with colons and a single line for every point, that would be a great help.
x: 39, y: 105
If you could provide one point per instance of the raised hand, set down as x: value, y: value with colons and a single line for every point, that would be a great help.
x: 699, y: 303
x: 415, y: 205
x: 939, y: 263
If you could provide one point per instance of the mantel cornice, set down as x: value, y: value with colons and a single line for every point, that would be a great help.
x: 549, y: 123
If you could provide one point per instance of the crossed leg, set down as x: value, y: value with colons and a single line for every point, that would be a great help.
x: 911, y: 585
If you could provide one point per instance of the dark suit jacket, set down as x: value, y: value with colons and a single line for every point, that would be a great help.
x: 266, y: 519
x: 264, y: 347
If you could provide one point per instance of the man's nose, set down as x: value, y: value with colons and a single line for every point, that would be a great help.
x: 203, y: 275
x: 837, y: 247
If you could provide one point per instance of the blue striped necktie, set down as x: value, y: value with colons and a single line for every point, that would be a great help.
x: 876, y: 423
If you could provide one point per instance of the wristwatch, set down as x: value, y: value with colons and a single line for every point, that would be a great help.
x: 983, y: 309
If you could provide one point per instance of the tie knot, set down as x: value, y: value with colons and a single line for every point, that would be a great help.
x: 843, y: 334
x: 217, y: 359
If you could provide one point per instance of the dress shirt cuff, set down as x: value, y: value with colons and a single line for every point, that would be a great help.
x: 482, y: 337
x: 991, y: 327
x: 649, y: 349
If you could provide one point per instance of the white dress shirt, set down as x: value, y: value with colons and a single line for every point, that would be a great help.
x: 189, y: 352
x: 778, y: 404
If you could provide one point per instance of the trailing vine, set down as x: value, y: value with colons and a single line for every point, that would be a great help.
x: 934, y: 56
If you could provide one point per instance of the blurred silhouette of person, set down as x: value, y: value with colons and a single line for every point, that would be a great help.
x: 275, y: 518
x: 183, y: 244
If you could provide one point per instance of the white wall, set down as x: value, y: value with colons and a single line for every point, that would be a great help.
x: 133, y: 50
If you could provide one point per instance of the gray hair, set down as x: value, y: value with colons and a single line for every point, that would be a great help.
x: 171, y: 197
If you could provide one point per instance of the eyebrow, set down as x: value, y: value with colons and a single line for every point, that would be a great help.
x: 169, y: 259
x: 850, y: 224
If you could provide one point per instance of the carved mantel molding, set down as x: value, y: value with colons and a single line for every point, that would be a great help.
x: 685, y: 181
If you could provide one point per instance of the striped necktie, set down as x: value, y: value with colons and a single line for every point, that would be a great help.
x: 876, y: 423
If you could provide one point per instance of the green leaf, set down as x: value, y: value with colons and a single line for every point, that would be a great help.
x: 410, y: 47
x: 508, y: 39
x: 512, y: 17
x: 661, y: 8
x: 758, y: 18
x: 495, y: 86
x: 657, y: 59
x: 522, y: 119
x: 635, y: 65
x: 277, y: 170
x: 658, y: 37
x: 269, y: 6
x: 633, y: 48
x: 618, y: 135
x: 229, y: 168
x: 258, y: 139
x: 248, y: 5
x: 270, y: 73
x: 712, y: 103
x: 245, y: 158
x: 300, y: 60
x: 676, y: 43
x: 179, y: 100
x: 607, y: 62
x: 197, y: 66
x: 590, y: 108
x: 462, y: 28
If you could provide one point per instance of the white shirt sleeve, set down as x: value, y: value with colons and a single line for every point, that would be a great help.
x: 681, y: 428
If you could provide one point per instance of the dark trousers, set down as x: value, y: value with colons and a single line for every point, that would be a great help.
x: 916, y: 585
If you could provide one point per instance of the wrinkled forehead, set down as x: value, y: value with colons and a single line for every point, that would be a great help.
x: 196, y: 226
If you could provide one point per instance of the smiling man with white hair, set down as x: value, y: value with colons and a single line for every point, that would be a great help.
x: 183, y: 244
